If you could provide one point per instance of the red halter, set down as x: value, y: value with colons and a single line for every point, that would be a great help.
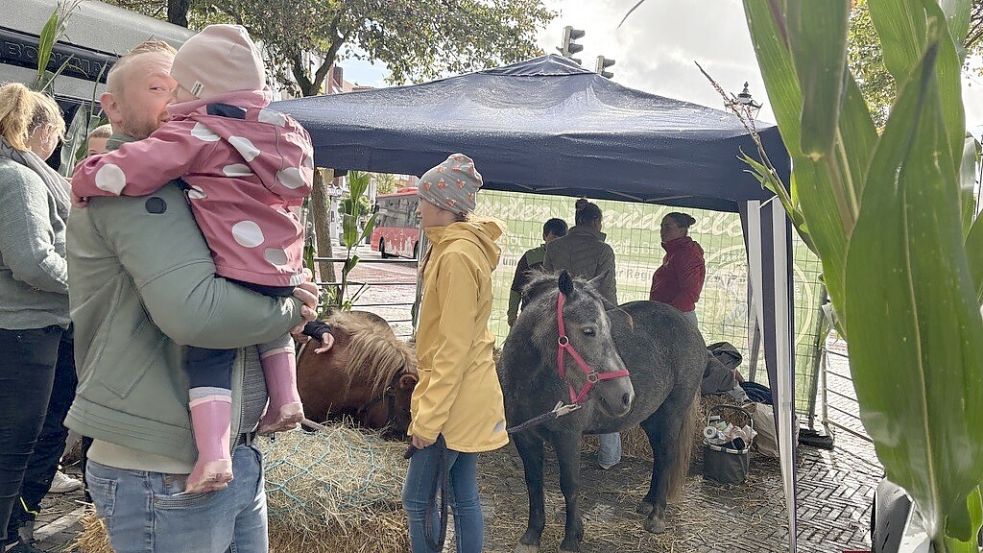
x: 564, y: 347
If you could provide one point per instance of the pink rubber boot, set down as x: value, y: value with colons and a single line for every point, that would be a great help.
x: 211, y: 420
x: 285, y: 411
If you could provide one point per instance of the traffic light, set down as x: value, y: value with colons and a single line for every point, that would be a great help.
x: 602, y: 64
x: 570, y: 47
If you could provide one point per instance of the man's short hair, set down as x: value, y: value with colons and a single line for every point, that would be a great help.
x: 102, y: 131
x: 113, y: 83
x: 555, y: 226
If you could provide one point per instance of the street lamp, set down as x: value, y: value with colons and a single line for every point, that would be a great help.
x: 745, y: 103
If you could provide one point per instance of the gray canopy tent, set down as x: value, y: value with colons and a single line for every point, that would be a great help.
x: 548, y: 126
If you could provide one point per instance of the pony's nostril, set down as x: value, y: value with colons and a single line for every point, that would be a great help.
x: 626, y: 399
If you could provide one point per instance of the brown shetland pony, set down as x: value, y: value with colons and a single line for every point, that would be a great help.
x: 368, y: 375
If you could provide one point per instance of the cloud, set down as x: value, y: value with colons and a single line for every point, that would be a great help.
x: 655, y: 49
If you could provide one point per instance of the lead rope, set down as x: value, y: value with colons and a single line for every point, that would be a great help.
x: 440, y: 484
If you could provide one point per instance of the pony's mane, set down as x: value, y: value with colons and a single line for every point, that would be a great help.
x: 376, y: 354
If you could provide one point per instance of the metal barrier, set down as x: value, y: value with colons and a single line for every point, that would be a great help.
x: 368, y: 285
x: 837, y: 385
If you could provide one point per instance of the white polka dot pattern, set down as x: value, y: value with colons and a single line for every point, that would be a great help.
x: 290, y: 177
x: 297, y: 279
x: 276, y: 256
x: 201, y: 132
x: 245, y: 147
x: 196, y: 193
x: 272, y: 117
x: 237, y: 170
x: 247, y: 234
x: 110, y: 177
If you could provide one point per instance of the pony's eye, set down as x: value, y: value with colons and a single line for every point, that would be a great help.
x: 590, y: 332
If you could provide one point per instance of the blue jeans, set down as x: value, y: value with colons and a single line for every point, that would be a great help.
x: 609, y: 449
x: 145, y: 512
x: 462, y: 497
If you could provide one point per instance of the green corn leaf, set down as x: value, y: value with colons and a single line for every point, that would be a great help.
x: 369, y: 226
x: 817, y: 38
x: 858, y: 133
x: 349, y: 230
x: 828, y: 204
x: 949, y: 73
x: 974, y: 250
x: 768, y: 31
x: 46, y: 42
x: 963, y: 525
x: 771, y: 182
x: 901, y: 28
x: 957, y: 15
x: 350, y: 263
x: 358, y: 184
x: 905, y: 27
x: 967, y: 182
x: 916, y: 334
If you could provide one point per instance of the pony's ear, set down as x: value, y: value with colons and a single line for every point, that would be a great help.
x: 408, y: 382
x: 596, y: 281
x: 566, y: 283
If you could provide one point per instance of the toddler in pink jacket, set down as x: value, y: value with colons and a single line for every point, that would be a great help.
x: 247, y: 169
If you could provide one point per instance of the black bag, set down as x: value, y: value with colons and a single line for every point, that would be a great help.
x: 722, y: 464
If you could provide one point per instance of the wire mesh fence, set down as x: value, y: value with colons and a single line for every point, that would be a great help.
x: 633, y: 232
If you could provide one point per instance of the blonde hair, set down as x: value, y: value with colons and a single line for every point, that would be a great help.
x: 22, y: 111
x: 102, y: 131
x: 113, y: 82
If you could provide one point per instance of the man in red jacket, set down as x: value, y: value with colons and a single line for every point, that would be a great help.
x: 679, y: 280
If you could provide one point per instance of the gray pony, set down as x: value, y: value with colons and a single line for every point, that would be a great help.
x: 665, y: 355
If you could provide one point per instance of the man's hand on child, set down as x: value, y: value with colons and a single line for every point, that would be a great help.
x: 306, y: 293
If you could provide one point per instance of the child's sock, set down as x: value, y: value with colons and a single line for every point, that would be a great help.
x: 211, y: 419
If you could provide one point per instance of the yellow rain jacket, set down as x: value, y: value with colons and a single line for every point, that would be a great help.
x: 458, y: 394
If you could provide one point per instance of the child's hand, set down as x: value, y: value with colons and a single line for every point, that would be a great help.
x: 327, y: 341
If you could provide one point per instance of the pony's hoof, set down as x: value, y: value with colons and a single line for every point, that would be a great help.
x: 523, y: 548
x: 645, y: 508
x: 655, y: 525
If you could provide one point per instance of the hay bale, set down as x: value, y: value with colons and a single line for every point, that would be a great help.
x: 93, y: 538
x: 635, y: 442
x: 334, y: 490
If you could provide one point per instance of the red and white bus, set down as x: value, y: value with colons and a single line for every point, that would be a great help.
x: 397, y: 226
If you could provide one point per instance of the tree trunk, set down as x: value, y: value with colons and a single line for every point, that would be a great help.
x: 177, y: 12
x: 320, y: 210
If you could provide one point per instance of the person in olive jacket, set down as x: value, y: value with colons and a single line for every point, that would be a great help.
x: 583, y: 253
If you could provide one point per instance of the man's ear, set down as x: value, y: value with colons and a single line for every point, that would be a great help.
x: 108, y: 103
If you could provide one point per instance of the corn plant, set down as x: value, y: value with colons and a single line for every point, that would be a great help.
x: 52, y: 31
x: 353, y: 211
x: 891, y: 214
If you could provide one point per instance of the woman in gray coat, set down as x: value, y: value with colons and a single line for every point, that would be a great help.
x: 34, y: 204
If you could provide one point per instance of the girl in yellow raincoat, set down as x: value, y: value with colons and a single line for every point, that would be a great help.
x: 457, y: 407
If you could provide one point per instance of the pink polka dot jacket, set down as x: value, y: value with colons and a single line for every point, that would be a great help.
x: 248, y: 170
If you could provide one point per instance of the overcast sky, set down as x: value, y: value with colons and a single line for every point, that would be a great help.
x: 655, y: 49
